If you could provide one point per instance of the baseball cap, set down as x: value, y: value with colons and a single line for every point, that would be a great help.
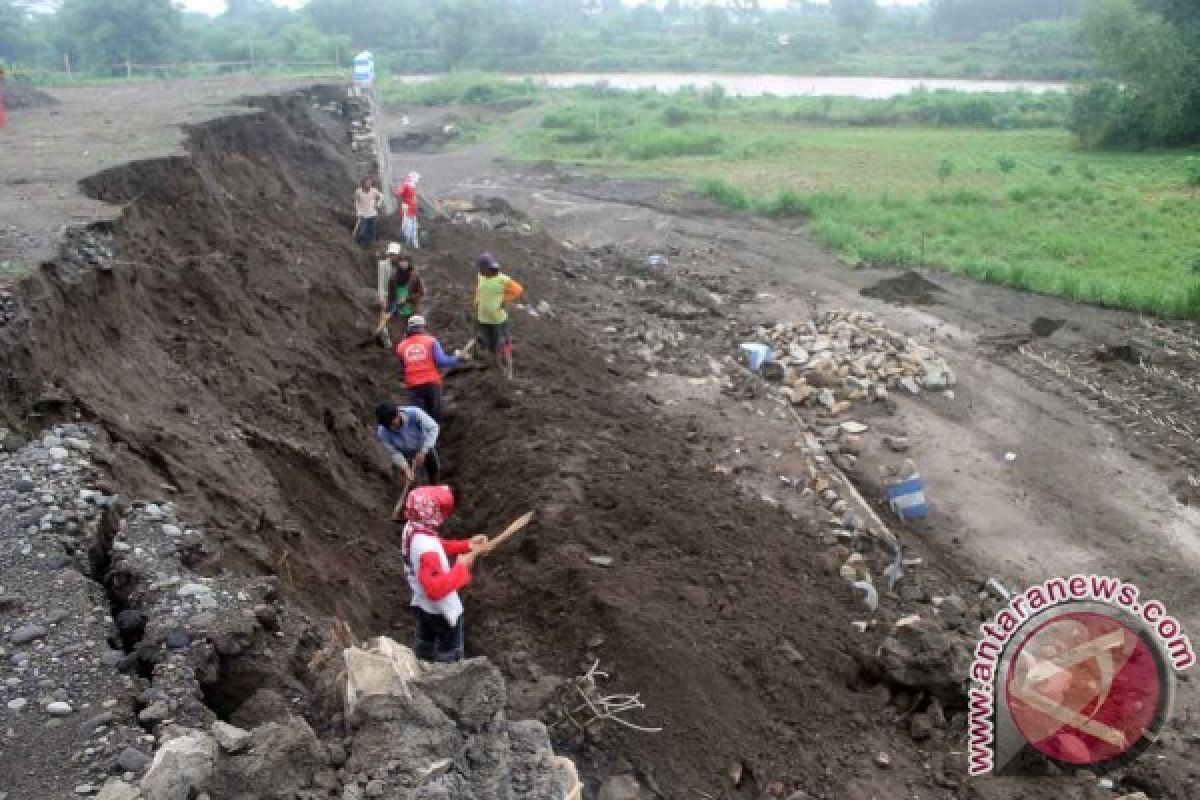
x: 416, y: 321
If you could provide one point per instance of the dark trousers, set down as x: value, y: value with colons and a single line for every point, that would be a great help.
x: 428, y: 398
x: 433, y: 464
x: 437, y: 639
x: 366, y: 231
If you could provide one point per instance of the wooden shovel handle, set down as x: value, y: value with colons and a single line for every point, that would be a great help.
x: 512, y: 530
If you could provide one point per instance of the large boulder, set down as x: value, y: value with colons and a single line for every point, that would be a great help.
x: 927, y: 658
x: 382, y: 668
x: 265, y: 705
x: 471, y: 692
x: 410, y: 730
x: 281, y: 759
x: 182, y: 768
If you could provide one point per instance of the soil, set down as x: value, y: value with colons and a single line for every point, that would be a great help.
x: 225, y: 348
x: 909, y: 288
x: 18, y: 97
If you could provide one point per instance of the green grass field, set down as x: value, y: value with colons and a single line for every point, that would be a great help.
x: 980, y: 186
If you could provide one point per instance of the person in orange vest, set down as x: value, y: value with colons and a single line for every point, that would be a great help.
x: 423, y: 359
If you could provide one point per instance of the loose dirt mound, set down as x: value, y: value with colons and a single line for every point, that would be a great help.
x: 18, y: 97
x: 908, y: 288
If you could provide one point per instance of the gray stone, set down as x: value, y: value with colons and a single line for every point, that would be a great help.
x: 27, y: 633
x: 59, y: 709
x: 154, y: 713
x: 231, y: 739
x: 133, y: 760
x: 193, y: 590
x: 85, y: 788
x: 926, y: 658
x: 172, y: 530
x: 621, y: 787
x: 375, y: 788
x: 17, y: 704
x: 118, y: 790
x: 353, y: 792
x: 471, y: 692
x: 24, y: 485
x: 59, y: 453
x: 182, y: 768
x: 282, y: 759
x: 89, y: 726
x: 897, y: 444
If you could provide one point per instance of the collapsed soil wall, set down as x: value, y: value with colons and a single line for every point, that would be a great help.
x: 218, y: 348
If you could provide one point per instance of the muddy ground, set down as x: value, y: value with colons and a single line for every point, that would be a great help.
x: 224, y: 347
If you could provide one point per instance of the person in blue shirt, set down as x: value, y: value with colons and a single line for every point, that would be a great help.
x: 410, y: 436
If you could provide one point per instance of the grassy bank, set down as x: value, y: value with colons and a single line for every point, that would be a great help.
x: 989, y: 186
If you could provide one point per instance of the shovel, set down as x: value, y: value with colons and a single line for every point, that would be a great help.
x: 398, y: 511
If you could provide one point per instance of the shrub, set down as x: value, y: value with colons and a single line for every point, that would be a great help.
x: 724, y: 193
x: 945, y: 170
x: 787, y: 203
x: 646, y: 144
x: 1006, y: 163
x: 1191, y: 167
x: 1055, y: 169
x: 676, y: 116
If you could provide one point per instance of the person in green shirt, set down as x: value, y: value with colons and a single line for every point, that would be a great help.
x: 493, y: 293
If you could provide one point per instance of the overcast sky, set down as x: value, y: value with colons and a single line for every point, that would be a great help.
x: 217, y: 6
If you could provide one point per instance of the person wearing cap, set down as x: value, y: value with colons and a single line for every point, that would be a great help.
x: 422, y: 358
x: 493, y: 293
x: 410, y: 436
x: 400, y: 287
x: 434, y: 582
x: 409, y: 206
x: 367, y: 200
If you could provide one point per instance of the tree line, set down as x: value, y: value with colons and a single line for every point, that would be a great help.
x: 1141, y: 57
x: 424, y: 35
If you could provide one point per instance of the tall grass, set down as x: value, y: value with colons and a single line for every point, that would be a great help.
x: 1019, y: 207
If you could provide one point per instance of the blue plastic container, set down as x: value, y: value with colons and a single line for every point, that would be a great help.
x: 907, y: 499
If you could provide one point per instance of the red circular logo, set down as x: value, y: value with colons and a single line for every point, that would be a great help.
x: 1084, y: 688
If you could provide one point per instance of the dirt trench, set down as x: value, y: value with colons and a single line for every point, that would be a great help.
x: 228, y: 353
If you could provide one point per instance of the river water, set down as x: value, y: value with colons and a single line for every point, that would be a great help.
x: 779, y: 85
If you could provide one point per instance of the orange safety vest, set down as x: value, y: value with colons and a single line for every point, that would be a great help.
x: 416, y: 354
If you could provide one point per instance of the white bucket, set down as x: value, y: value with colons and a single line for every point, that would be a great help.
x: 757, y: 354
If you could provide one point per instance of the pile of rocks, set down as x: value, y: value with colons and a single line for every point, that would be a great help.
x: 66, y: 714
x: 412, y: 730
x: 85, y: 249
x: 848, y: 356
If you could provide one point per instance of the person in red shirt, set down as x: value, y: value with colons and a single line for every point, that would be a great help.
x: 409, y: 206
x: 1, y: 95
x: 434, y: 583
x: 422, y: 358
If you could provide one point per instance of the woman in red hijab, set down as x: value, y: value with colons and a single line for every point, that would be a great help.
x: 433, y: 581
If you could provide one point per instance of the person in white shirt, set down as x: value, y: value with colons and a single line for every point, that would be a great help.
x: 367, y: 201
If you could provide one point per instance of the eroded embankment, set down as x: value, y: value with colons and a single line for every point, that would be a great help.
x: 227, y: 354
x: 219, y: 352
